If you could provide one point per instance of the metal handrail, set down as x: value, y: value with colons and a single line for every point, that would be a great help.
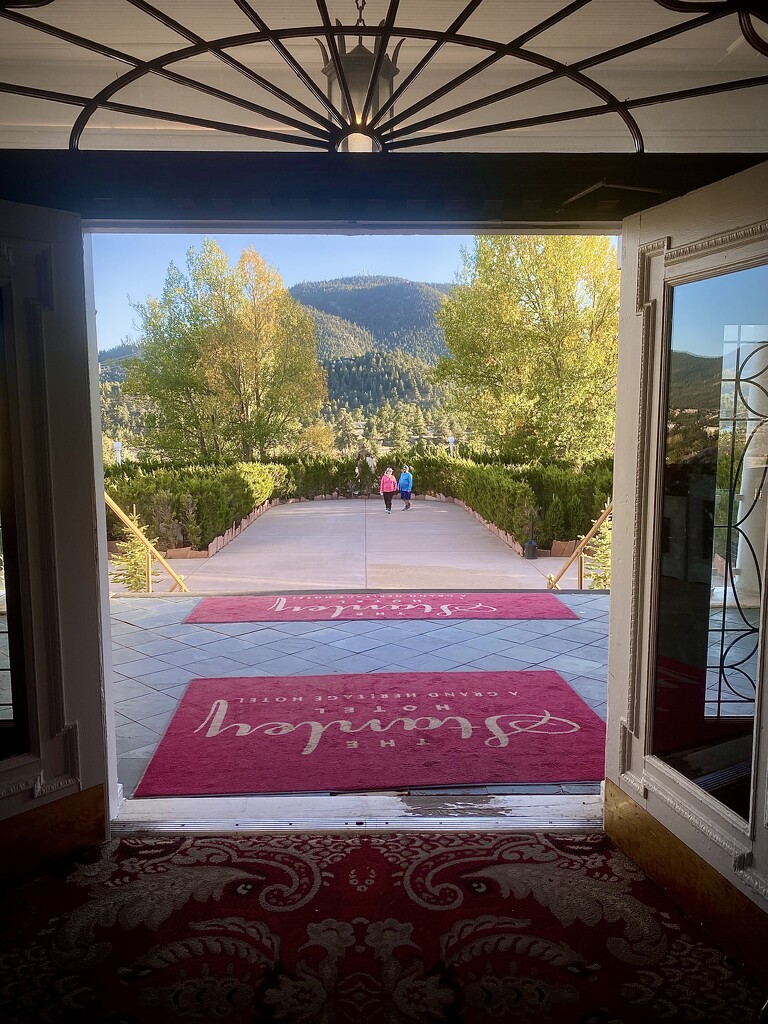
x: 553, y: 581
x: 152, y: 551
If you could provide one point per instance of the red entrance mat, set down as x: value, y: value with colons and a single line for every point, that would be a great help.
x: 386, y: 730
x: 321, y: 607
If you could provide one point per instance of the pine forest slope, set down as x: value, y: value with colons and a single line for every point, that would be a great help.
x: 370, y: 380
x: 398, y: 314
x: 377, y: 340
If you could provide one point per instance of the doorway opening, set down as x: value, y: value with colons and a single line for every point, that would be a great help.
x: 331, y: 536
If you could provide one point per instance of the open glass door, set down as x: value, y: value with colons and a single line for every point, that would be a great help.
x: 688, y: 714
x: 711, y: 559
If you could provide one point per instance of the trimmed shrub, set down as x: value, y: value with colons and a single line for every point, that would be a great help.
x: 192, y: 504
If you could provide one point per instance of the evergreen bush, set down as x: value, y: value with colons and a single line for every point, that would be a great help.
x: 192, y: 504
x: 598, y: 557
x: 130, y: 559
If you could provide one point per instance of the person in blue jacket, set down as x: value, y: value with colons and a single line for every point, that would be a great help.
x: 405, y: 486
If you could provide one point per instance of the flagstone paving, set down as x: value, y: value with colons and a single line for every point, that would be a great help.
x: 155, y: 654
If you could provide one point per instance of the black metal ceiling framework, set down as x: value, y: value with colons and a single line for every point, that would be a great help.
x: 315, y: 130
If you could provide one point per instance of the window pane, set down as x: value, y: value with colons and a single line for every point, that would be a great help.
x: 713, y: 534
x: 14, y: 733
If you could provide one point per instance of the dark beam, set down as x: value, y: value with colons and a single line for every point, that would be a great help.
x: 342, y: 191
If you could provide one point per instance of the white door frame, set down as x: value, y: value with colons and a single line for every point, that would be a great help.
x: 55, y: 464
x: 712, y: 231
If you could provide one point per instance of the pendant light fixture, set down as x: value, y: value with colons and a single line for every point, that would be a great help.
x: 368, y: 78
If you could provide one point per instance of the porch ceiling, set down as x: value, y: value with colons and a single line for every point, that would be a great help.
x: 486, y: 76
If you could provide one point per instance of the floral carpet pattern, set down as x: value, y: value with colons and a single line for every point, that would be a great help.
x: 352, y: 927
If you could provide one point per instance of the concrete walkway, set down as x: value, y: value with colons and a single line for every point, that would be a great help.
x: 353, y: 545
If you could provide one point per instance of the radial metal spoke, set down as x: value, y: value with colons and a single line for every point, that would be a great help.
x: 319, y: 130
x: 510, y: 49
x: 139, y: 69
x: 160, y: 115
x: 381, y: 50
x: 140, y: 72
x: 655, y: 37
x: 558, y: 71
x: 702, y: 90
x: 425, y: 60
x: 238, y: 101
x: 221, y: 126
x: 333, y: 49
x: 220, y: 54
x: 68, y: 37
x: 290, y: 60
x: 44, y: 94
x: 502, y: 126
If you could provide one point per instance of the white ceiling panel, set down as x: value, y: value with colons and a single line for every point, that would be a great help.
x: 468, y: 72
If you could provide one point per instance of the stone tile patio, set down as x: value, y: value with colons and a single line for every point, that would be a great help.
x: 155, y: 655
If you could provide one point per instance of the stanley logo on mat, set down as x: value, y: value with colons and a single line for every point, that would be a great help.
x: 382, y: 607
x: 499, y: 727
x: 384, y: 730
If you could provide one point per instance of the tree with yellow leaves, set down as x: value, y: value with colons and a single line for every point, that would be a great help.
x: 532, y: 330
x: 228, y: 359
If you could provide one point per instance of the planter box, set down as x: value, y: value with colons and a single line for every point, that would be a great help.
x: 177, y: 553
x: 563, y: 548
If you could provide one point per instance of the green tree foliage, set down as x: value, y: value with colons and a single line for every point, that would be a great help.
x: 228, y: 359
x: 338, y: 338
x: 130, y: 560
x: 315, y: 439
x: 598, y: 560
x: 532, y: 332
x: 112, y: 360
x: 346, y: 433
x: 122, y: 417
x: 374, y: 378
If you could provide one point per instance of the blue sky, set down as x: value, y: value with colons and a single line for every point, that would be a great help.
x: 128, y: 267
x: 701, y: 309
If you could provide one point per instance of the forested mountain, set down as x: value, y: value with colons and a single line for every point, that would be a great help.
x: 370, y: 380
x: 377, y: 340
x: 340, y: 339
x: 111, y: 361
x: 694, y: 404
x: 694, y: 381
x: 399, y: 314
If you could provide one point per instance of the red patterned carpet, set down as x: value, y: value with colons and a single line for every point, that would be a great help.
x: 347, y: 928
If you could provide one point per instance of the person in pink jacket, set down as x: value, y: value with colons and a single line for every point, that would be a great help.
x: 388, y: 488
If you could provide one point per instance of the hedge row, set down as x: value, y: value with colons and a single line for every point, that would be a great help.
x: 190, y: 505
x: 564, y: 501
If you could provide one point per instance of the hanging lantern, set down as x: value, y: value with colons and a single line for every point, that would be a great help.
x: 357, y: 67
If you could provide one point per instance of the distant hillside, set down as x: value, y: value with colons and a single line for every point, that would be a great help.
x: 399, y: 314
x: 111, y: 362
x: 377, y: 339
x: 340, y: 339
x: 370, y: 380
x: 694, y: 381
